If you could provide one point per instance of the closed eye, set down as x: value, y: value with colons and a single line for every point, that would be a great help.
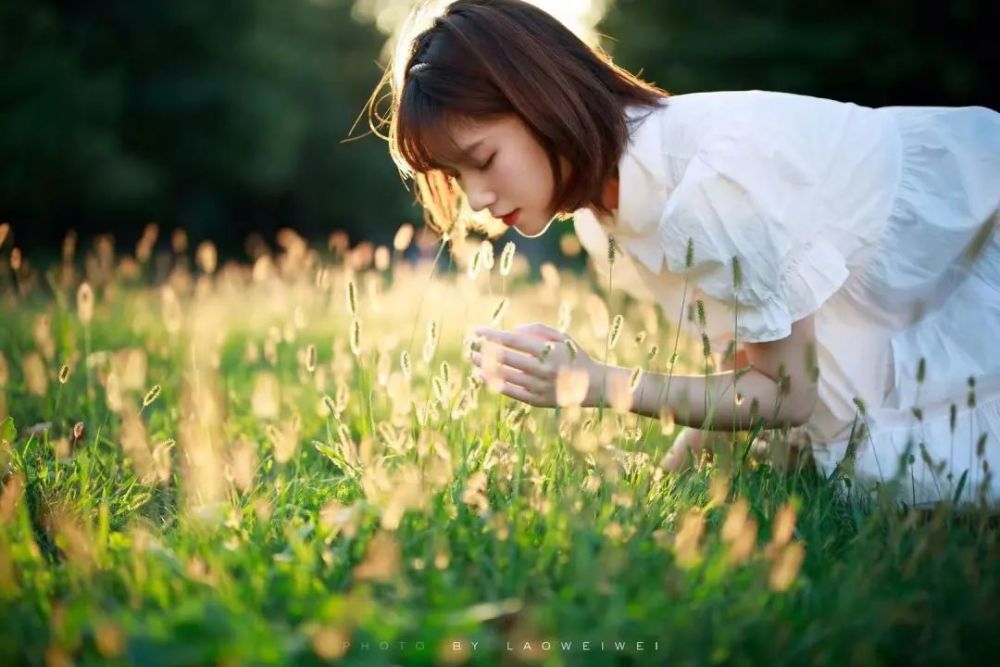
x: 486, y: 165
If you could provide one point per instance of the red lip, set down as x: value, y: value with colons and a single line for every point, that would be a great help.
x: 511, y: 217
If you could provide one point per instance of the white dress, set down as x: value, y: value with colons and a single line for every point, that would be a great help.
x: 876, y: 221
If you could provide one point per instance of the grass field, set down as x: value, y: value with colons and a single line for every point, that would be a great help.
x: 288, y: 462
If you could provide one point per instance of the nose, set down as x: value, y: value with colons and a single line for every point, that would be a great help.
x: 480, y: 196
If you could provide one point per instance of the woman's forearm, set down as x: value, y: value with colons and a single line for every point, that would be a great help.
x: 704, y: 401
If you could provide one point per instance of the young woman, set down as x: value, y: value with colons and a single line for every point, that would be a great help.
x: 851, y: 253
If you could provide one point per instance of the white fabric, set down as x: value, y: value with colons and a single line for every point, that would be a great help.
x: 859, y: 216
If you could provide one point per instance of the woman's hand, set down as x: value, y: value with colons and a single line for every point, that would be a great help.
x: 538, y: 365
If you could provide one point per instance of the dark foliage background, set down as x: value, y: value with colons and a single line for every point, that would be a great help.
x: 229, y: 117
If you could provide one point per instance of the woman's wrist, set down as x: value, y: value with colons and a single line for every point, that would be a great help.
x: 600, y: 380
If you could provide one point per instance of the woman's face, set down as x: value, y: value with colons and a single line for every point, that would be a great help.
x: 501, y: 167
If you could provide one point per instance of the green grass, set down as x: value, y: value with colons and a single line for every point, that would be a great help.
x: 273, y: 531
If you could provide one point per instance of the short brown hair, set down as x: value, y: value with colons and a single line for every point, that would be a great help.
x: 483, y: 58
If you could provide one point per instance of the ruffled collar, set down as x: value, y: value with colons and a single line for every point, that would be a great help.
x: 642, y: 189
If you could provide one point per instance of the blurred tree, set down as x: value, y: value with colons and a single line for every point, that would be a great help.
x: 872, y: 52
x: 223, y: 117
x: 229, y: 116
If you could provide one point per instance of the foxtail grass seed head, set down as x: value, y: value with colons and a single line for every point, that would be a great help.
x: 737, y: 274
x: 507, y: 258
x: 700, y: 306
x: 78, y: 431
x: 917, y: 413
x: 706, y: 346
x: 787, y: 566
x: 352, y: 298
x: 356, y: 337
x: 635, y: 379
x: 653, y: 351
x: 981, y: 445
x: 404, y: 364
x: 686, y: 543
x: 921, y: 370
x: 689, y: 254
x: 498, y: 313
x: 403, y: 238
x: 151, y: 395
x: 612, y: 249
x: 565, y: 316
x: 64, y: 374
x: 431, y: 342
x: 85, y: 303
x: 330, y: 405
x: 207, y: 257
x: 474, y: 264
x: 952, y: 416
x: 486, y: 252
x: 784, y: 526
x: 311, y: 358
x: 571, y: 347
x: 616, y: 331
x: 861, y: 405
x: 971, y: 402
x: 546, y: 351
x: 571, y: 386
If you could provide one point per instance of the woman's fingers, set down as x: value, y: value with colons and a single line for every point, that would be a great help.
x: 542, y: 330
x: 520, y: 378
x: 510, y: 358
x: 520, y: 342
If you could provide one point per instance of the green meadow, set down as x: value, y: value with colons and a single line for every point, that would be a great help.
x: 290, y: 461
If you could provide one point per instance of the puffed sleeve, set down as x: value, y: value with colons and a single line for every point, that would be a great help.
x: 743, y: 221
